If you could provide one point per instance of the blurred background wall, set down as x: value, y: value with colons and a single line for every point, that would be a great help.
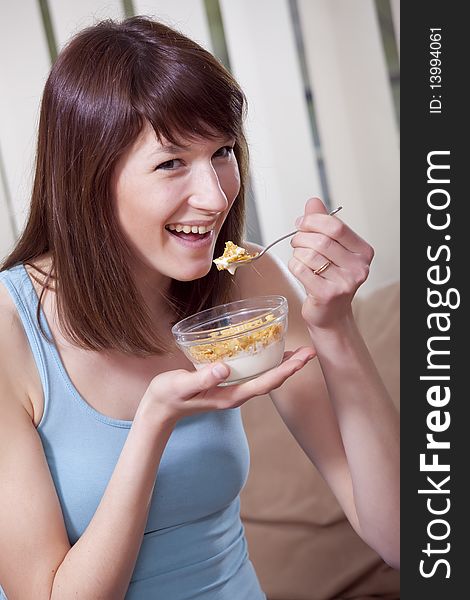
x: 322, y: 82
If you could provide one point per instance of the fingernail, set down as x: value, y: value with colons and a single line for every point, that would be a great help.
x: 221, y: 371
x: 298, y: 221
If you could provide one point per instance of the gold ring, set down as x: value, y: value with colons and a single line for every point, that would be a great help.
x: 323, y: 268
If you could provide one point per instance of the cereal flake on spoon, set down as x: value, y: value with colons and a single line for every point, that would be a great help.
x: 232, y: 255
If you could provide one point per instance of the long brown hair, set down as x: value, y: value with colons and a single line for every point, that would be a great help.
x: 105, y: 85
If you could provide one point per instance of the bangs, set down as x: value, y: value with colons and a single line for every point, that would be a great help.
x: 180, y: 102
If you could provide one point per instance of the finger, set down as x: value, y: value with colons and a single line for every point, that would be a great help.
x: 315, y: 205
x: 317, y: 262
x: 276, y: 377
x: 326, y: 247
x: 220, y: 398
x: 348, y: 266
x: 192, y: 383
x: 238, y: 394
x: 316, y: 285
x: 332, y: 227
x: 301, y: 353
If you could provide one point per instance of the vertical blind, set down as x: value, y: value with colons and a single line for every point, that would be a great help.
x: 321, y: 119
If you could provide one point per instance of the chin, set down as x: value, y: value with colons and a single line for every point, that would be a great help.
x: 192, y: 274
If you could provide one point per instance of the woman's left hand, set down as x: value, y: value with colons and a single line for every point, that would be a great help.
x: 325, y: 241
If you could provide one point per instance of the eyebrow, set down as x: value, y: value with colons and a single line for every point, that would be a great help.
x: 168, y: 148
x: 175, y: 148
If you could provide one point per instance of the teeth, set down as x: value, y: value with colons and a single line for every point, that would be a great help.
x: 201, y: 229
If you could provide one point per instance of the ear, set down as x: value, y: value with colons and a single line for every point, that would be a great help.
x: 315, y: 205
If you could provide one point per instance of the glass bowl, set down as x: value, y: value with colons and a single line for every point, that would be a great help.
x: 247, y: 335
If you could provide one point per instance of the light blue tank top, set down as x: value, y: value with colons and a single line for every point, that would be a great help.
x: 194, y: 545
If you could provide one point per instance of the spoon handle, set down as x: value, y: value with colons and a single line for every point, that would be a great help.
x: 276, y: 241
x: 333, y: 212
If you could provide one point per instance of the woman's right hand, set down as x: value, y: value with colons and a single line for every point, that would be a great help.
x: 176, y: 394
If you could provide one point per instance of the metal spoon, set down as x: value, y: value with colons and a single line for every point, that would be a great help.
x: 248, y: 259
x: 256, y: 256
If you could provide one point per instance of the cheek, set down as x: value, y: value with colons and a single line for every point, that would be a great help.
x: 229, y: 179
x: 139, y: 213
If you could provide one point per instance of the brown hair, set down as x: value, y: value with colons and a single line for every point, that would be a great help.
x: 105, y: 85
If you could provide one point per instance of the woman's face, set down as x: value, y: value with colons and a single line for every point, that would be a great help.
x: 172, y: 201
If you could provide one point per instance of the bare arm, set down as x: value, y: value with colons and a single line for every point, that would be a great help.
x: 337, y: 408
x: 349, y: 428
x: 37, y: 560
x: 106, y: 553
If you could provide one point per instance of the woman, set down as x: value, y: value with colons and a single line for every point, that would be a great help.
x: 120, y: 466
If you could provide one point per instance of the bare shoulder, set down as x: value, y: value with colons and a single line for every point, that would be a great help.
x: 16, y: 360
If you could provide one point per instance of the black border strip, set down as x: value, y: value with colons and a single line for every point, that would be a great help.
x: 434, y: 527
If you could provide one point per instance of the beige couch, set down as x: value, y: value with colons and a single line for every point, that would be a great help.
x: 300, y: 542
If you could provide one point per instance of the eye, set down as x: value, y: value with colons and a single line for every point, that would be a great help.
x: 168, y: 165
x: 224, y: 152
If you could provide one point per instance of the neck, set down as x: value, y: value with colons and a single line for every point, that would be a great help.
x: 153, y: 286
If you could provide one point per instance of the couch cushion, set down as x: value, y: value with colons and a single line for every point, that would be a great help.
x: 299, y: 540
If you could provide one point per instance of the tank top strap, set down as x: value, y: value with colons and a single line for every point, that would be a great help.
x: 55, y: 380
x: 25, y: 298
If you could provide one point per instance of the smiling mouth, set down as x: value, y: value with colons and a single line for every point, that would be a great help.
x: 190, y: 236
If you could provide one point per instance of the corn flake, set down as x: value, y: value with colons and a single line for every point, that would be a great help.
x: 221, y: 348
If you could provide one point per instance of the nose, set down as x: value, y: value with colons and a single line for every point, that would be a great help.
x: 207, y: 193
